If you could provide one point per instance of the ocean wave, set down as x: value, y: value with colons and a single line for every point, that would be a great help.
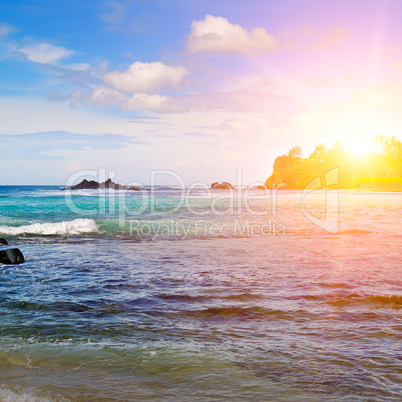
x: 182, y: 298
x: 6, y: 395
x: 74, y: 227
x: 59, y: 306
x: 387, y: 301
x: 238, y: 312
x: 243, y: 297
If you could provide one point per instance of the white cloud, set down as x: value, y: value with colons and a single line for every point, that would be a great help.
x: 156, y: 103
x: 102, y: 97
x: 5, y: 30
x: 146, y: 77
x: 218, y: 35
x: 45, y: 53
x: 79, y: 67
x: 105, y: 97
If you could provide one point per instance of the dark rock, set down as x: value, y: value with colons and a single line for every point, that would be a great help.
x: 134, y: 188
x: 84, y: 185
x: 111, y: 185
x: 11, y: 256
x: 3, y: 241
x: 93, y: 185
x: 223, y: 186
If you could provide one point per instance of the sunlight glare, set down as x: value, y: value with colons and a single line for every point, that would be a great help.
x: 361, y: 144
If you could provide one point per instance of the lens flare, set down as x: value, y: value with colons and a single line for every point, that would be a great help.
x: 361, y: 144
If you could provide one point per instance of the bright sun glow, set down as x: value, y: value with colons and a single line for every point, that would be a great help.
x: 361, y: 144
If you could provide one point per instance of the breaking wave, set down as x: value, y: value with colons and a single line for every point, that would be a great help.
x: 74, y: 227
x: 6, y: 395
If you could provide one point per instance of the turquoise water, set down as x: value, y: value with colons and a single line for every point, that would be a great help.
x: 193, y: 296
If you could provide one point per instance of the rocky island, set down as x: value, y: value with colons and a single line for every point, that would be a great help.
x: 221, y: 186
x: 108, y: 184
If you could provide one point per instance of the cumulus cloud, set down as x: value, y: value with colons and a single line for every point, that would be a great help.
x: 155, y: 103
x: 45, y: 53
x: 146, y: 77
x: 104, y: 97
x: 218, y: 35
x: 5, y: 30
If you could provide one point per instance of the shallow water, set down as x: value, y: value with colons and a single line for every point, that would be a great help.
x: 99, y: 313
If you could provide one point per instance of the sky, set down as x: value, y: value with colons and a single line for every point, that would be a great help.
x: 201, y: 89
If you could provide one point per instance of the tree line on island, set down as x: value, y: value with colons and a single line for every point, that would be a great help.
x: 380, y: 169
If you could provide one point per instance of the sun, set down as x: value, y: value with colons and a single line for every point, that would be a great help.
x: 360, y: 144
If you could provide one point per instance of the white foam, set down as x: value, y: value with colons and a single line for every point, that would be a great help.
x: 7, y: 395
x: 74, y: 227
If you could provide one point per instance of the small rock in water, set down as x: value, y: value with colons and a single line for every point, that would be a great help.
x: 3, y: 241
x: 222, y: 186
x: 11, y: 256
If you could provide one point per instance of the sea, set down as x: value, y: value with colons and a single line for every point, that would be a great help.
x: 188, y: 294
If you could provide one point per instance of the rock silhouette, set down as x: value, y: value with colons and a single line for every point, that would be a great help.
x: 222, y: 186
x: 11, y: 256
x: 93, y: 185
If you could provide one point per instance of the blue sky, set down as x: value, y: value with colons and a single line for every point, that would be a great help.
x: 199, y: 88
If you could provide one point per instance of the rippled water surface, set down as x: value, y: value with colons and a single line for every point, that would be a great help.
x: 101, y: 313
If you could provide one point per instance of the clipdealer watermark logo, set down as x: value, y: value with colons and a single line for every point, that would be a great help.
x: 323, y: 196
x: 158, y: 211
